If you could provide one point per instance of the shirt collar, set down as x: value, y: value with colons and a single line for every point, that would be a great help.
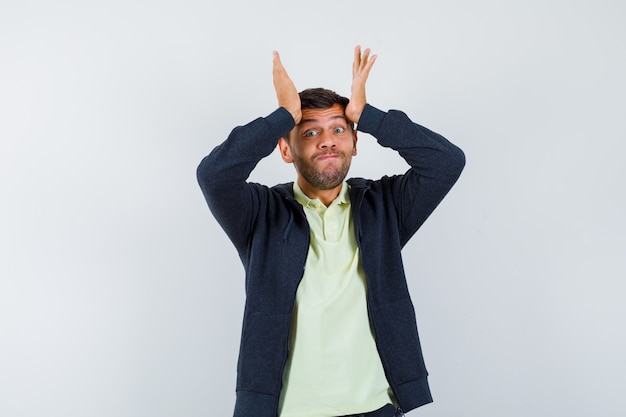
x: 342, y: 198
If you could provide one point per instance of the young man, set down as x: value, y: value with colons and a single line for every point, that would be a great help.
x: 329, y: 327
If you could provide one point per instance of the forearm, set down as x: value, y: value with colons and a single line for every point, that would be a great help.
x: 427, y: 152
x: 230, y: 163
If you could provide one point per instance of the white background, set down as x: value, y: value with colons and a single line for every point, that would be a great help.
x: 121, y: 297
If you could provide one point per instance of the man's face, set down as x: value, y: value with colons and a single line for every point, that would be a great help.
x: 321, y: 148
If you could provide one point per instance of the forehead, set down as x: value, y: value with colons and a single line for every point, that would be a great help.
x: 322, y: 115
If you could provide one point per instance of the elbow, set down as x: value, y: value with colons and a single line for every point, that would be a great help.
x: 459, y: 160
x: 203, y: 172
x: 207, y: 174
x: 454, y: 164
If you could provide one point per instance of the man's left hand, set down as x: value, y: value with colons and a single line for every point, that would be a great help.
x: 361, y: 67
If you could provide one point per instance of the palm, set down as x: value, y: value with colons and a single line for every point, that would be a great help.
x: 360, y: 71
x: 286, y: 91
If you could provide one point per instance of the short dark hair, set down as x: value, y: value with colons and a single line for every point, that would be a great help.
x: 321, y: 98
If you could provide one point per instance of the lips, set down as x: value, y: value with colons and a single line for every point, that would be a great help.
x: 328, y: 155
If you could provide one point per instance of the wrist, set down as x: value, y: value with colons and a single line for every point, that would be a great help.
x: 353, y: 115
x: 297, y: 116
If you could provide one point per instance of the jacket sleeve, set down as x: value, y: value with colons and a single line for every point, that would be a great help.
x: 223, y: 174
x: 436, y: 164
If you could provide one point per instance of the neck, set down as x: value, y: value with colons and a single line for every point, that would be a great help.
x: 325, y: 196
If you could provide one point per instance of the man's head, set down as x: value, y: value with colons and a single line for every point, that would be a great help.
x: 321, y: 146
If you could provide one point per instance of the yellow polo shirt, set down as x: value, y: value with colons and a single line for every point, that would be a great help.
x: 333, y: 367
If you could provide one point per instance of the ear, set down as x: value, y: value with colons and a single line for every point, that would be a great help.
x: 354, y: 147
x: 285, y: 150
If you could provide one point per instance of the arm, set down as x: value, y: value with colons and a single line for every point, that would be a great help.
x: 435, y: 162
x: 222, y: 175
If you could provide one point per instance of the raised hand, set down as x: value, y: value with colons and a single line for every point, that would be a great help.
x: 361, y: 67
x: 286, y: 92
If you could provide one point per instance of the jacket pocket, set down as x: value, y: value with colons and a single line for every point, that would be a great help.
x: 398, y: 341
x: 263, y: 352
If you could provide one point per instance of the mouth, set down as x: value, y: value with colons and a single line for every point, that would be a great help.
x: 327, y: 156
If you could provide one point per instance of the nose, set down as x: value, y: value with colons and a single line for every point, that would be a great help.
x: 326, y: 140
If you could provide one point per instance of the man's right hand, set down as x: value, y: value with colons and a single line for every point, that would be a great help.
x: 286, y: 92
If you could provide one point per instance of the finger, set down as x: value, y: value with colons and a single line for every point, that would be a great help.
x: 276, y: 59
x: 365, y: 71
x: 365, y: 57
x: 357, y: 59
x: 370, y: 62
x: 278, y: 69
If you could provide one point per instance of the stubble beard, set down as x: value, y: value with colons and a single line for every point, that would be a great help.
x: 327, y: 178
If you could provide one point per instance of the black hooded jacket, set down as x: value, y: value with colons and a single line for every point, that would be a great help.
x: 271, y: 234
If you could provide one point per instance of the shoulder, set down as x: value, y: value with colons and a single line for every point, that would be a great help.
x: 284, y: 190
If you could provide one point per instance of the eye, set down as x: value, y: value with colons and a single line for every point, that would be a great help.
x: 339, y: 130
x: 310, y: 133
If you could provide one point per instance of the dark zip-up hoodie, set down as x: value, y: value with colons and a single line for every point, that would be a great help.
x: 271, y: 234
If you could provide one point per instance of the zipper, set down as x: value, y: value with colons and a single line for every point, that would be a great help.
x: 286, y: 343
